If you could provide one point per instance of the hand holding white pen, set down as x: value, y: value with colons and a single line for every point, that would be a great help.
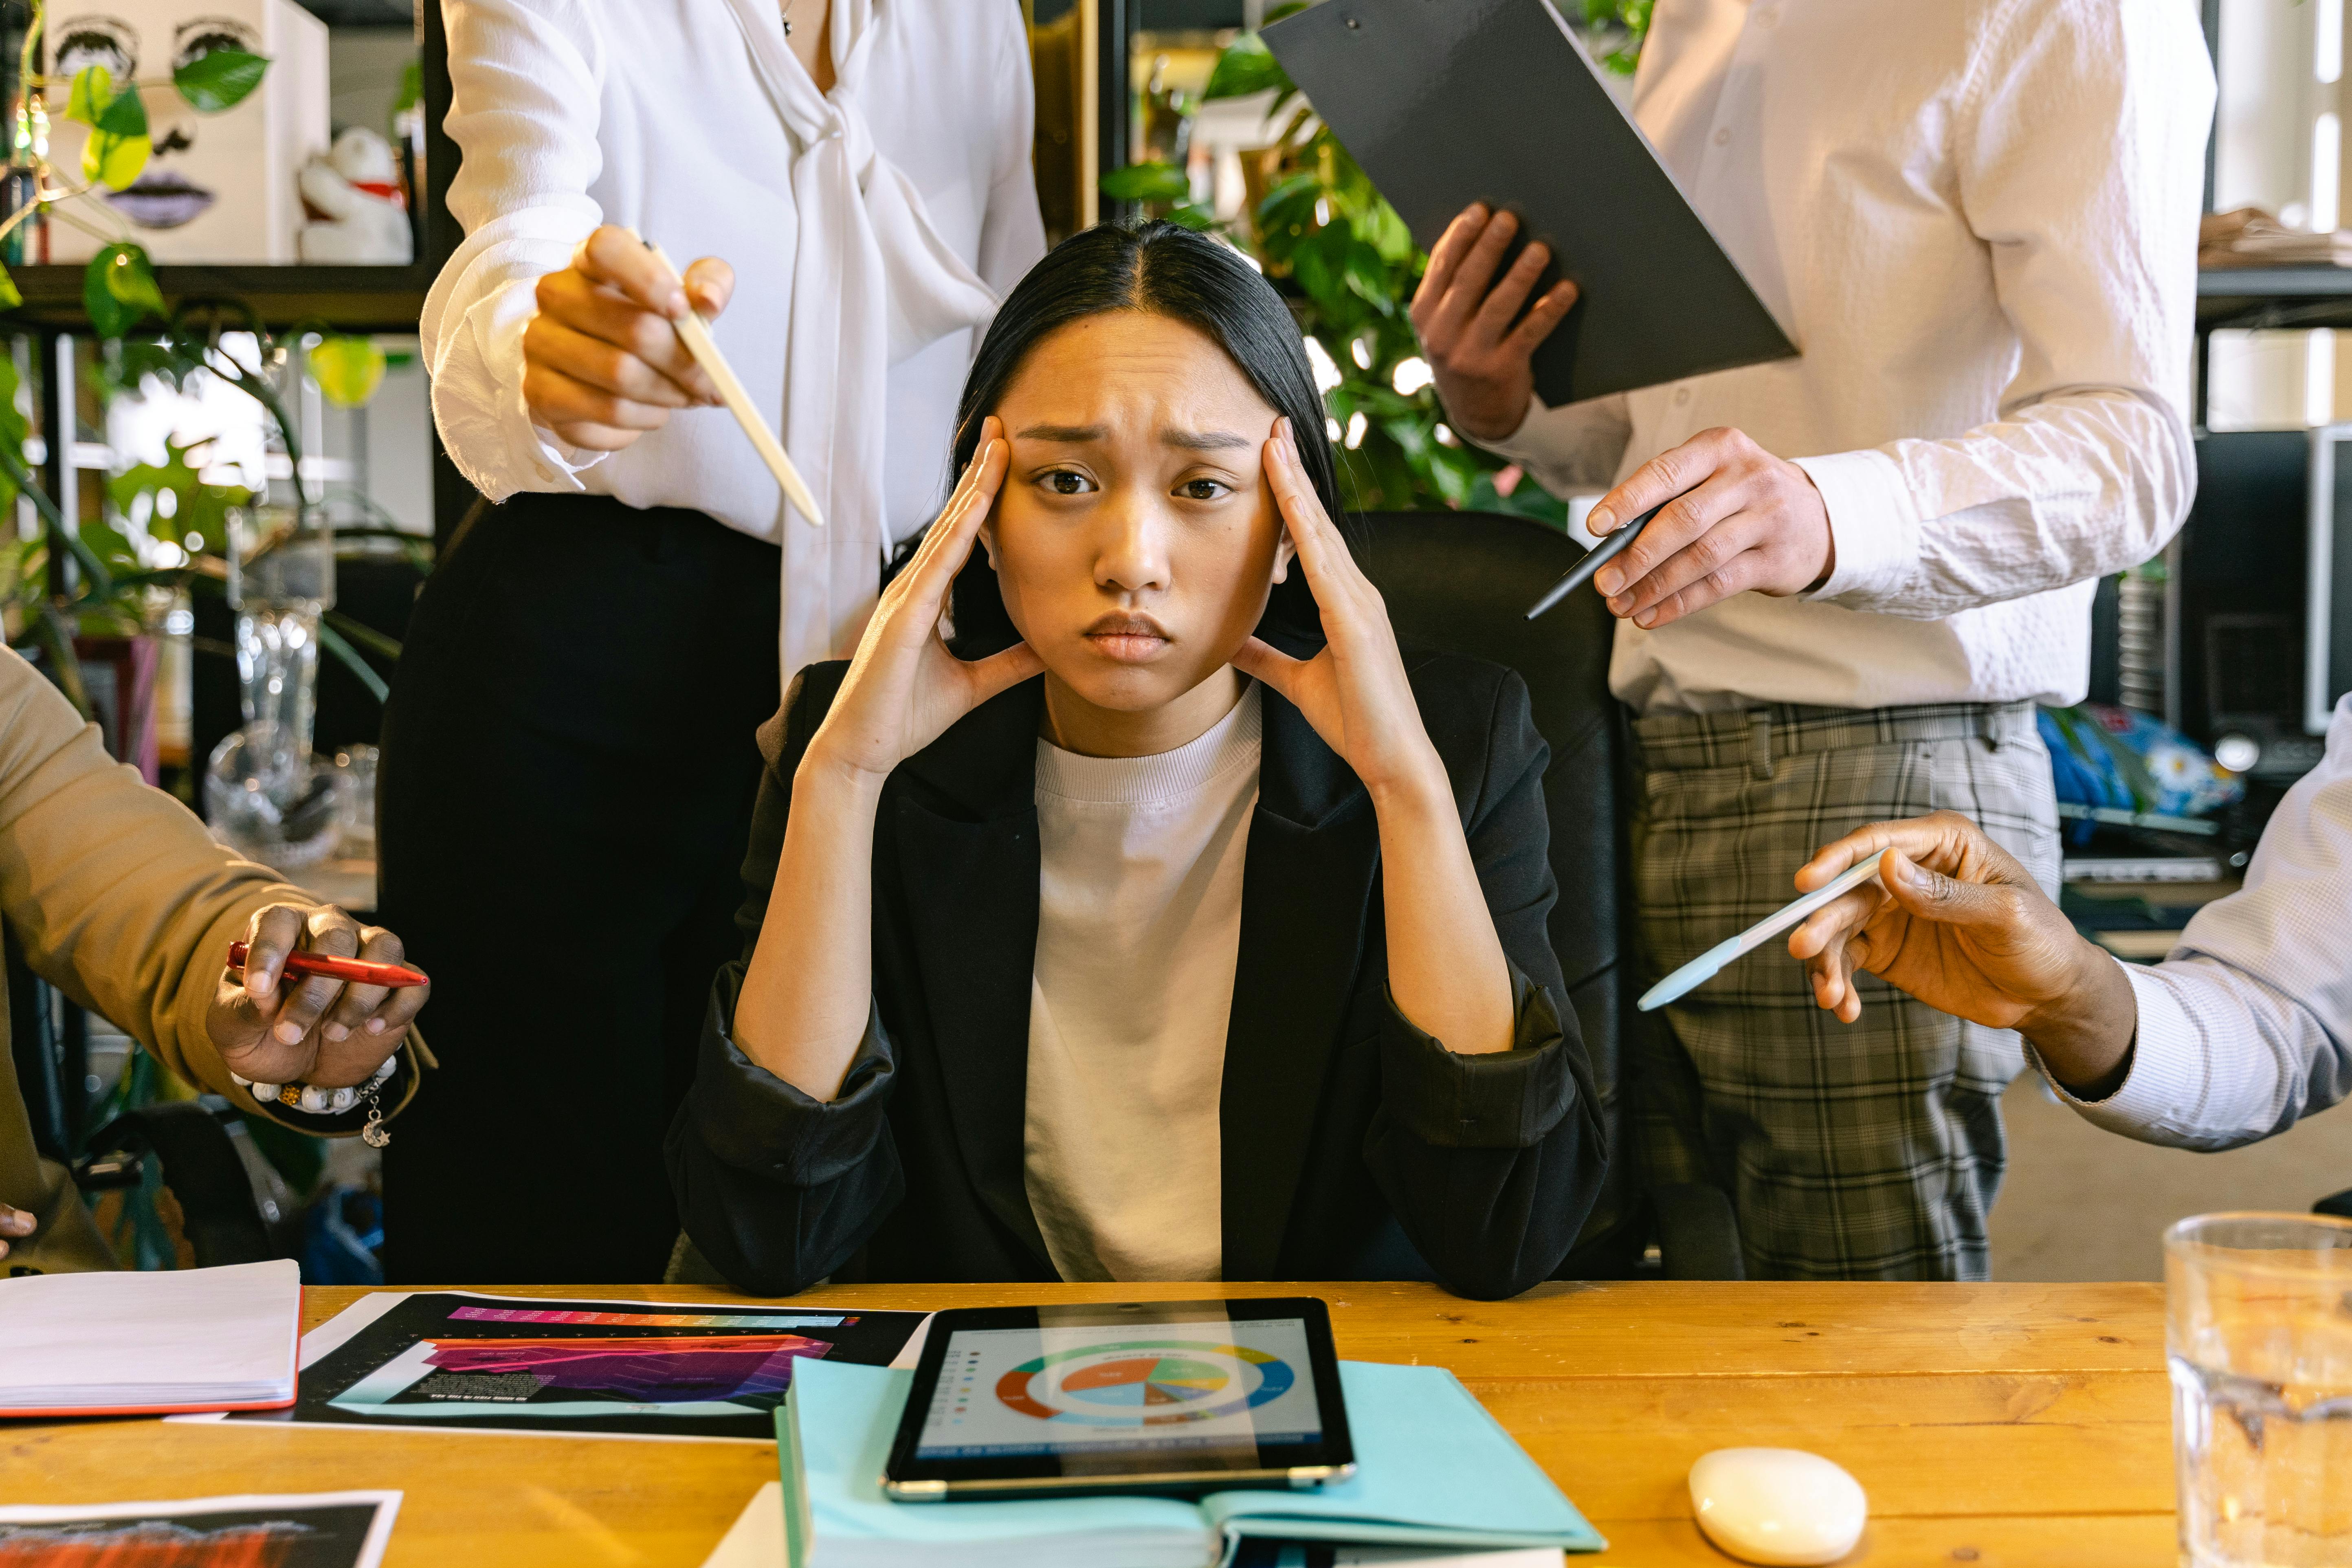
x: 603, y: 360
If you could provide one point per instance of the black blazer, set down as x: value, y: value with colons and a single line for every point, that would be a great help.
x: 1354, y: 1146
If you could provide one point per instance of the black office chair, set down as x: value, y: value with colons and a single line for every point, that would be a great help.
x: 1461, y: 583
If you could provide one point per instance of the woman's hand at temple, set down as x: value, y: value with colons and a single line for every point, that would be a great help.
x: 803, y: 1007
x: 315, y: 1030
x: 1354, y: 692
x: 1447, y: 973
x: 603, y: 362
x: 904, y: 687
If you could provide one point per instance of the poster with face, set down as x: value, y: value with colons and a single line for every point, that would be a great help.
x: 219, y: 188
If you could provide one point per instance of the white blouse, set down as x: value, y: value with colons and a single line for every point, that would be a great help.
x: 871, y: 230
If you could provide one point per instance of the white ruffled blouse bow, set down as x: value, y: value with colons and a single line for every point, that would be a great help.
x: 872, y: 231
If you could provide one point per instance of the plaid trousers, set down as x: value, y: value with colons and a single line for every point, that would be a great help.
x: 1871, y: 1150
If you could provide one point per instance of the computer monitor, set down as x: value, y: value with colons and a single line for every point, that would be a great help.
x: 2229, y: 629
x: 2327, y: 578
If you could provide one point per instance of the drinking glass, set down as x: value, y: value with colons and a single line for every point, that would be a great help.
x: 2258, y: 1334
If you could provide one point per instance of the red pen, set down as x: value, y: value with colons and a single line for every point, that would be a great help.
x: 358, y: 969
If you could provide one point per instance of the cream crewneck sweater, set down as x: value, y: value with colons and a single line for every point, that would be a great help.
x: 1138, y: 923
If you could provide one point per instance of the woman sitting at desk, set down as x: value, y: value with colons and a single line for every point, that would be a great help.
x: 1196, y: 959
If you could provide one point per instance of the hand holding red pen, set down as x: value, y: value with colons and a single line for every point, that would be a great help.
x: 276, y: 1027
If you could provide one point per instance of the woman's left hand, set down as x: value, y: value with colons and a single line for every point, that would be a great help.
x: 1354, y: 692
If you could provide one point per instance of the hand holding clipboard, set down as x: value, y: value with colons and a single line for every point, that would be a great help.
x: 1565, y: 263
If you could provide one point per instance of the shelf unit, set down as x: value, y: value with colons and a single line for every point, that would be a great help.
x: 344, y: 298
x: 2260, y: 298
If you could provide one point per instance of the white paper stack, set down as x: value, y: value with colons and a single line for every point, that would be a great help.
x: 197, y: 1339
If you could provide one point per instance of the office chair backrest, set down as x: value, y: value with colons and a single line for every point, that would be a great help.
x: 1461, y: 583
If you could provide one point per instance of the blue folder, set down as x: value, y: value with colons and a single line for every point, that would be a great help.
x: 1432, y: 1469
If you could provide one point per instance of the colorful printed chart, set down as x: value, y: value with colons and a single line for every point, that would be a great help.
x: 1145, y: 1383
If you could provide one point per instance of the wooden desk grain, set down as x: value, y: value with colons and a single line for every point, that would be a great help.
x: 1991, y: 1425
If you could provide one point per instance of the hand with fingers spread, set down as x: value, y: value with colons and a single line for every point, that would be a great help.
x: 1354, y: 692
x: 1446, y: 968
x: 1479, y: 332
x: 904, y: 687
x: 1740, y: 521
x: 1960, y: 925
x: 805, y: 995
x: 603, y: 362
x: 315, y: 1030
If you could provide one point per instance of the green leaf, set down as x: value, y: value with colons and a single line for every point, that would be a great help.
x: 114, y: 161
x: 9, y: 296
x: 218, y: 78
x: 118, y: 291
x: 197, y: 508
x: 1148, y: 183
x: 1247, y: 66
x: 118, y: 147
x: 347, y: 368
x: 412, y: 89
x: 112, y: 545
x: 93, y: 90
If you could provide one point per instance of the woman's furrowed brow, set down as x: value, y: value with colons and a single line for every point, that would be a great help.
x: 1204, y: 441
x: 1189, y: 440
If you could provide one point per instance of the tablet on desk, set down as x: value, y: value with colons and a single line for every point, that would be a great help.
x: 1180, y: 1397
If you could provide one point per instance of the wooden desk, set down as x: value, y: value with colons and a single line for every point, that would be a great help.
x: 1990, y: 1424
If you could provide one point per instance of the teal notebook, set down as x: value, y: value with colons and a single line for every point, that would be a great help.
x: 1432, y: 1469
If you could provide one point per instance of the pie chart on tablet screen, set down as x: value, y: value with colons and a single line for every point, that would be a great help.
x: 1145, y: 1383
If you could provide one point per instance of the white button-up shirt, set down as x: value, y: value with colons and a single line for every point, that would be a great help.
x: 2247, y: 1025
x: 871, y: 229
x: 1978, y: 219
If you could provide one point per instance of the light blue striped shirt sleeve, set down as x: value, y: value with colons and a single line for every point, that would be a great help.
x: 2247, y: 1026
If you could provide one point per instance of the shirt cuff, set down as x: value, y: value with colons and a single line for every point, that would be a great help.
x: 1496, y: 1099
x: 753, y: 1120
x: 505, y: 317
x: 2163, y: 1086
x: 1522, y: 445
x: 1873, y: 523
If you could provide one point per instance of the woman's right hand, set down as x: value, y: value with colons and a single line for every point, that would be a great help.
x: 904, y: 687
x: 603, y: 362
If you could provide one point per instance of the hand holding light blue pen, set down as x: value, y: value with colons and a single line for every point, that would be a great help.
x: 1708, y: 964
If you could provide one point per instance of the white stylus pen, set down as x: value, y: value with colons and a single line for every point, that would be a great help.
x: 695, y: 333
x: 1707, y: 965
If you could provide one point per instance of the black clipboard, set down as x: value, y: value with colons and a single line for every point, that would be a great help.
x: 1444, y: 103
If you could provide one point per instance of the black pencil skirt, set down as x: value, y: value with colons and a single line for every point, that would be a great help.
x: 567, y: 783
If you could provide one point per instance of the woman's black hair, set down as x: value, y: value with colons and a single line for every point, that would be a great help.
x: 1161, y: 269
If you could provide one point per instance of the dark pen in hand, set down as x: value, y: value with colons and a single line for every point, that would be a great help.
x: 1599, y: 555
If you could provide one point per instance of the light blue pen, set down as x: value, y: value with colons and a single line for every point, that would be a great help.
x: 1707, y: 965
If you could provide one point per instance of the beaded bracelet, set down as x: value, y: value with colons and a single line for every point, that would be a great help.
x: 312, y: 1100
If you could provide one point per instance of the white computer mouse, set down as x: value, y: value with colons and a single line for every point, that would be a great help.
x: 1777, y: 1506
